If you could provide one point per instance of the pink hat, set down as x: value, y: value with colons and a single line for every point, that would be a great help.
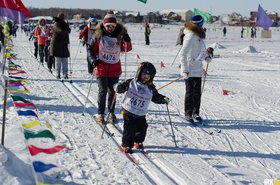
x: 110, y: 19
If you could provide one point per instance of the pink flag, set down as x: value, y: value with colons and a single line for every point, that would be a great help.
x: 226, y: 92
x: 35, y: 150
x: 162, y: 64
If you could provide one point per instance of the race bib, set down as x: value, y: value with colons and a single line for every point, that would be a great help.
x: 138, y: 98
x: 109, y: 50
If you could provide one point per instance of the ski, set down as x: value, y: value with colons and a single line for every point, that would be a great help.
x: 145, y: 153
x: 129, y: 156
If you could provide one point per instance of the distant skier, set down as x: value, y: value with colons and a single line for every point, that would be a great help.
x: 225, y: 31
x: 242, y: 31
x: 192, y: 54
x: 147, y: 33
x: 140, y: 92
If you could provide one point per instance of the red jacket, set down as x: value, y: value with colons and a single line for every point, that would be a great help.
x: 110, y: 70
x: 83, y: 33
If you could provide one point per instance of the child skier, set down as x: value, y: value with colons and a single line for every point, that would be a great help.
x: 140, y: 92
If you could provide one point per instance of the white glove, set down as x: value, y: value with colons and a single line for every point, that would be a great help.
x: 185, y: 75
x: 208, y: 59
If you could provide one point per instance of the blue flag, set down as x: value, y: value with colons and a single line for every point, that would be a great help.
x: 41, y: 167
x: 263, y: 20
x: 27, y: 113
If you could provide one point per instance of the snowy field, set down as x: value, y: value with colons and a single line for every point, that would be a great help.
x: 245, y: 152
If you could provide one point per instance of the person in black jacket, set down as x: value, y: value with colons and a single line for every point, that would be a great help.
x: 140, y: 92
x: 59, y: 45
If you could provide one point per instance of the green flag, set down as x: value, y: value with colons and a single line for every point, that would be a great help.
x: 143, y: 1
x: 206, y: 16
x: 45, y: 133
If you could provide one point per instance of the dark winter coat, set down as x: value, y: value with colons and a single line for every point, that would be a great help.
x: 60, y: 39
x: 104, y: 69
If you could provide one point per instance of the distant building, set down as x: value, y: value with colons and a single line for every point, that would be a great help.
x: 185, y: 15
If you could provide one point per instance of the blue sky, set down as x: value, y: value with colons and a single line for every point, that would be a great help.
x: 216, y: 7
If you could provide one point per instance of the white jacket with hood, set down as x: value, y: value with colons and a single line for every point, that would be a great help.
x: 193, y: 51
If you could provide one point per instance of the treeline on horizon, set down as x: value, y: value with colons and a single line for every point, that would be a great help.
x: 69, y: 13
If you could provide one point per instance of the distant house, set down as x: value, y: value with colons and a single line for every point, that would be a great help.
x: 185, y: 15
x: 153, y: 17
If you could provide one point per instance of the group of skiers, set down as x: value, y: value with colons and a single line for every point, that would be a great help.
x: 104, y: 42
x: 52, y: 44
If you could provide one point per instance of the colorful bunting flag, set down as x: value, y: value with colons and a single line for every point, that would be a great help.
x: 44, y: 133
x: 263, y: 20
x: 21, y: 105
x: 14, y: 9
x: 27, y: 113
x: 15, y: 83
x: 35, y: 150
x: 35, y: 123
x: 41, y: 167
x: 15, y: 72
x: 24, y: 90
x: 206, y: 16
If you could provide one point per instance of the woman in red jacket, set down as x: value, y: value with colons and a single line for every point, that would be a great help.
x: 110, y: 40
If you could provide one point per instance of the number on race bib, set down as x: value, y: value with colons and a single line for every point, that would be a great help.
x: 137, y: 103
x: 109, y: 57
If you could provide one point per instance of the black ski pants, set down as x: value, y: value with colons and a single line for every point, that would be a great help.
x: 35, y: 49
x: 43, y: 53
x: 192, y: 96
x: 106, y: 85
x: 134, y: 130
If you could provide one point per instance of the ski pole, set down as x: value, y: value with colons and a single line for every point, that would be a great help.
x: 171, y: 125
x: 91, y: 81
x: 125, y: 51
x: 170, y: 83
x: 108, y: 115
x: 176, y: 56
x: 70, y: 64
x: 204, y: 78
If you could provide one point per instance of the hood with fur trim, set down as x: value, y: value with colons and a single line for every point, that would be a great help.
x: 117, y: 33
x: 195, y: 29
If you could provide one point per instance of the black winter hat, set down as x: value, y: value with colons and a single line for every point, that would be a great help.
x: 147, y: 68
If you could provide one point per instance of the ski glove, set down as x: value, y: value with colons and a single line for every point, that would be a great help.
x: 185, y: 75
x: 126, y: 37
x: 210, y: 54
x: 166, y: 100
x: 94, y: 61
x: 119, y: 88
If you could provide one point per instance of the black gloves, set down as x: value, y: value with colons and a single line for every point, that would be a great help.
x: 94, y: 61
x: 166, y: 100
x: 126, y: 37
